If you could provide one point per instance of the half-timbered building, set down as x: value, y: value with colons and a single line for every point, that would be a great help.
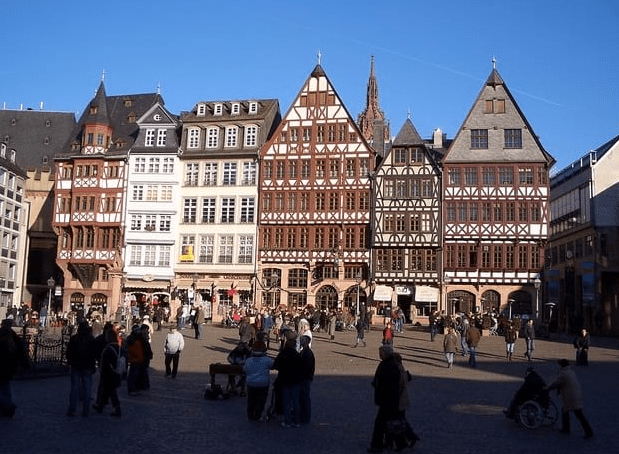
x: 216, y: 260
x: 495, y: 210
x: 89, y: 205
x: 315, y: 204
x: 406, y: 241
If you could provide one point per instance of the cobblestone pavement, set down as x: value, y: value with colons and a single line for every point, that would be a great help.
x: 456, y: 410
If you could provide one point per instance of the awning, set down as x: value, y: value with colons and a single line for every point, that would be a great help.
x: 426, y: 294
x: 383, y: 293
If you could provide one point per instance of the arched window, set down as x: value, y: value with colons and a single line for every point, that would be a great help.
x: 77, y: 301
x: 326, y: 298
x: 460, y: 301
x: 490, y: 300
x: 521, y: 303
x: 350, y: 299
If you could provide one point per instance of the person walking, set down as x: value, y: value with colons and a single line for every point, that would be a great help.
x: 388, y: 334
x: 386, y: 385
x: 571, y: 396
x: 81, y: 356
x: 433, y: 320
x: 172, y: 348
x: 510, y: 341
x: 360, y: 327
x: 109, y: 379
x: 257, y: 368
x: 472, y: 341
x: 450, y: 343
x: 463, y: 327
x: 288, y: 365
x: 198, y: 322
x: 12, y: 355
x: 332, y: 322
x: 529, y: 337
x: 308, y: 367
x: 582, y: 344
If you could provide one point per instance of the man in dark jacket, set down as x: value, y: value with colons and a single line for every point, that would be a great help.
x: 288, y: 364
x: 81, y: 356
x: 308, y: 366
x: 472, y: 340
x: 12, y: 354
x: 386, y: 385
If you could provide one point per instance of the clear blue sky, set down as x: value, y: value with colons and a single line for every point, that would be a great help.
x: 560, y: 59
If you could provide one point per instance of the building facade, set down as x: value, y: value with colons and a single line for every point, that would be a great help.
x: 315, y: 205
x: 90, y: 201
x: 495, y: 208
x: 216, y: 256
x: 582, y: 267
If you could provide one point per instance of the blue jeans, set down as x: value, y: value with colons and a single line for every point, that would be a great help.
x: 464, y: 345
x: 449, y: 356
x: 472, y: 352
x: 530, y: 347
x: 81, y: 388
x: 291, y: 396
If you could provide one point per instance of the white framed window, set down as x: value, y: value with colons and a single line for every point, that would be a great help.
x: 207, y: 246
x: 152, y: 192
x: 188, y: 247
x: 165, y: 223
x: 164, y: 255
x: 136, y: 222
x: 150, y: 138
x: 140, y: 165
x: 208, y: 210
x: 189, y: 210
x: 235, y: 109
x: 248, y: 209
x: 150, y: 222
x: 168, y: 165
x: 232, y: 133
x: 138, y: 192
x: 161, y: 137
x: 191, y: 173
x: 253, y: 107
x: 229, y: 176
x: 218, y: 109
x: 210, y: 174
x: 149, y: 255
x: 212, y: 137
x: 251, y: 136
x: 227, y: 210
x: 226, y: 243
x: 166, y: 193
x: 246, y: 249
x: 193, y: 138
x: 201, y: 110
x: 249, y: 173
x: 153, y: 165
x: 136, y: 256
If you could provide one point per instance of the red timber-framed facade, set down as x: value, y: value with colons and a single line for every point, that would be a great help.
x: 315, y: 205
x: 406, y: 243
x: 89, y: 201
x: 495, y: 209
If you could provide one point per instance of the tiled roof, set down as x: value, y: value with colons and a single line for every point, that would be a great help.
x: 408, y: 135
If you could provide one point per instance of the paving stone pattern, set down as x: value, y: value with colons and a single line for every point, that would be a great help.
x: 455, y: 411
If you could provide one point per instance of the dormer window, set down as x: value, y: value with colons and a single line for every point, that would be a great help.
x: 13, y: 156
x: 236, y: 108
x: 94, y: 110
x: 253, y: 107
x: 46, y: 141
x: 128, y: 103
x: 219, y: 109
x: 131, y: 118
x: 201, y: 111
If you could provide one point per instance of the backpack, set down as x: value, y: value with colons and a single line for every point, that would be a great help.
x: 121, y: 364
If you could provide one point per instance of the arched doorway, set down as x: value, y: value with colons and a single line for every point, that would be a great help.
x: 520, y: 303
x: 460, y: 301
x: 350, y: 299
x: 326, y: 298
x: 490, y: 301
x: 98, y: 304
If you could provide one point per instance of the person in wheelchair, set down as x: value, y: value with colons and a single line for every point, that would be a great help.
x: 531, y: 389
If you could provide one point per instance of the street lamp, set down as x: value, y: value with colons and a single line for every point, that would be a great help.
x: 538, y: 285
x: 359, y: 278
x: 50, y: 283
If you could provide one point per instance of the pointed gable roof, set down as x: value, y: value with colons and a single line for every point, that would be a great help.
x: 496, y: 121
x: 408, y: 135
x: 97, y: 112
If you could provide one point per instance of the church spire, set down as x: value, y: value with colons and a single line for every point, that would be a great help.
x: 372, y: 112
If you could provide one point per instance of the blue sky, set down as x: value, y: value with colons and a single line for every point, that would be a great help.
x: 560, y: 59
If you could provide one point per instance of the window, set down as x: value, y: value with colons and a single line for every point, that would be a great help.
x: 350, y: 201
x: 235, y: 109
x: 510, y: 212
x: 305, y: 169
x: 320, y: 168
x: 140, y: 165
x: 454, y: 177
x: 136, y: 256
x: 293, y: 169
x: 253, y: 107
x: 138, y: 192
x: 189, y: 210
x: 152, y: 192
x: 136, y: 222
x: 400, y: 156
x: 307, y: 134
x: 161, y: 137
x: 334, y: 201
x: 168, y: 165
x: 231, y: 136
x: 193, y: 140
x: 208, y: 210
x: 319, y: 238
x: 364, y: 200
x: 525, y: 176
x: 149, y: 255
x: 498, y: 256
x: 487, y: 176
x: 486, y: 212
x: 292, y: 202
x: 225, y: 248
x: 201, y: 110
x: 207, y: 246
x: 166, y: 193
x: 218, y: 109
x: 479, y: 138
x: 470, y: 176
x: 164, y: 255
x: 210, y: 174
x: 506, y: 176
x: 165, y: 223
x: 248, y: 208
x: 246, y: 249
x: 279, y: 202
x: 513, y: 138
x: 191, y: 173
x: 351, y: 168
x: 350, y: 238
x: 153, y: 165
x: 523, y: 257
x: 304, y: 238
x: 297, y: 278
x: 229, y: 176
x: 251, y: 136
x: 451, y: 212
x: 212, y: 137
x: 150, y: 138
x: 304, y: 202
x: 279, y: 171
x: 291, y: 242
x: 187, y: 248
x: 334, y: 168
x: 227, y: 210
x: 320, y: 201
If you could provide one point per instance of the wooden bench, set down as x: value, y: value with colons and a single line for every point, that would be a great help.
x: 230, y: 370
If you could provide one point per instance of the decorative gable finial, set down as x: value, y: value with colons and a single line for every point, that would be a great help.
x: 493, y: 62
x: 408, y: 113
x: 159, y: 88
x: 103, y: 76
x: 319, y: 57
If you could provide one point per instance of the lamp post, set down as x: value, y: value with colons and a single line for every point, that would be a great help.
x: 50, y: 283
x: 358, y: 279
x: 538, y: 285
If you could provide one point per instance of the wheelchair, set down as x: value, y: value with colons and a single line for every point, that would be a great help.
x: 540, y: 410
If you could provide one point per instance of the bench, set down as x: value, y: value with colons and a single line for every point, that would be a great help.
x: 231, y: 370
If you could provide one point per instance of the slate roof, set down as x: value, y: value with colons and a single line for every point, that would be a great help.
x: 408, y: 135
x: 36, y: 135
x: 120, y: 112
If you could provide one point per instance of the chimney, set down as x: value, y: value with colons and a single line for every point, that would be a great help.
x: 437, y: 136
x: 41, y: 106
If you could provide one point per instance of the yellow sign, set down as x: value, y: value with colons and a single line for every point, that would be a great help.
x: 187, y: 253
